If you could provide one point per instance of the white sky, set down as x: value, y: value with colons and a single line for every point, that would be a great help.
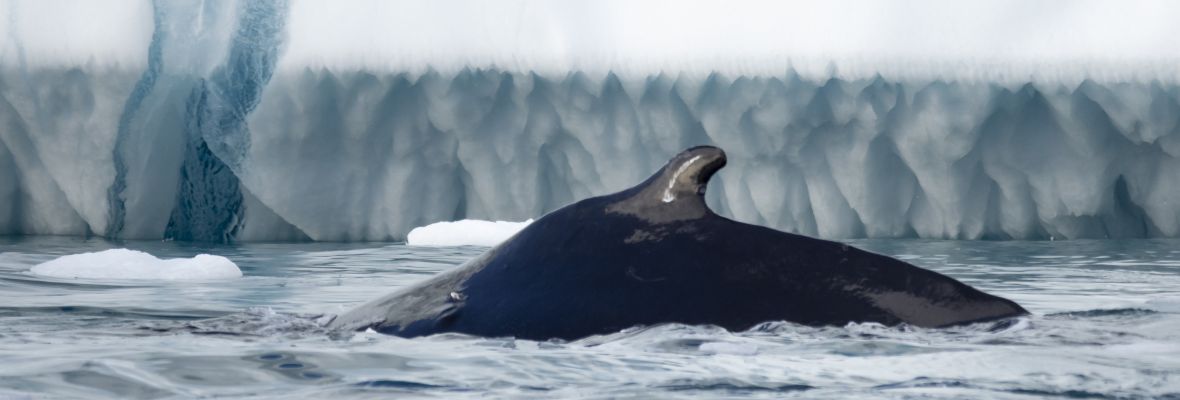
x: 917, y: 37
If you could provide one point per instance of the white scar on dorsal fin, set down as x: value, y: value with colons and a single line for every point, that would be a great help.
x: 668, y: 196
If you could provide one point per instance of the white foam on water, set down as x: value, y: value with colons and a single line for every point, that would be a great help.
x: 737, y: 349
x: 137, y: 265
x: 468, y: 232
x: 1164, y: 304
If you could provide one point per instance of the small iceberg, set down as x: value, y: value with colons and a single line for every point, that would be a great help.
x: 468, y: 232
x: 137, y: 265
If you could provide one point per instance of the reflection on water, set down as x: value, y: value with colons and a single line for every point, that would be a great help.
x: 1106, y: 324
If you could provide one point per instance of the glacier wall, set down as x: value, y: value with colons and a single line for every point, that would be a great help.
x: 250, y: 121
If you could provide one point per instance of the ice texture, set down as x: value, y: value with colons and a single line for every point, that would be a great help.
x: 137, y: 265
x: 468, y: 232
x: 269, y: 120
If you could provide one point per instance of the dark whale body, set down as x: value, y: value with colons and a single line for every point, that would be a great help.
x: 654, y: 254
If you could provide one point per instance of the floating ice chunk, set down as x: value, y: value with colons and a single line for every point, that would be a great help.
x: 468, y: 232
x: 131, y: 264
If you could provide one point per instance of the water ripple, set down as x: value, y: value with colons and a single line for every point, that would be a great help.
x: 1103, y: 326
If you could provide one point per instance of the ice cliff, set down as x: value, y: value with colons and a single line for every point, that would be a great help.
x: 360, y: 120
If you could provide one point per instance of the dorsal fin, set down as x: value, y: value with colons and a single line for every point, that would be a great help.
x: 676, y: 191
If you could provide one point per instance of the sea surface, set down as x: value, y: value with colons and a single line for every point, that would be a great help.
x: 1105, y: 324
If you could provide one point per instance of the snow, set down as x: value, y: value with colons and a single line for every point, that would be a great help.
x: 137, y: 265
x: 57, y: 33
x: 468, y: 232
x: 1011, y: 40
x: 899, y: 39
x: 360, y: 120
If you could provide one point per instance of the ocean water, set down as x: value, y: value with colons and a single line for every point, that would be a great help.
x: 1105, y: 324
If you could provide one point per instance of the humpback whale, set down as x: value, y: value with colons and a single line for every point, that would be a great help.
x: 656, y: 253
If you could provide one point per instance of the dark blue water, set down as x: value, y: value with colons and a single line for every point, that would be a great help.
x: 1106, y: 324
